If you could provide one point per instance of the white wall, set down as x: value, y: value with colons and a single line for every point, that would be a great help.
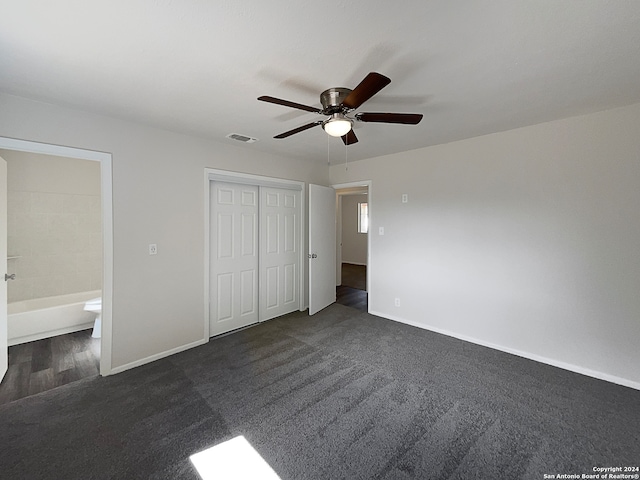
x: 354, y: 244
x: 54, y: 225
x: 158, y: 197
x: 526, y: 240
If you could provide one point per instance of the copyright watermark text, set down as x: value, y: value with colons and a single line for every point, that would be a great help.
x: 599, y: 473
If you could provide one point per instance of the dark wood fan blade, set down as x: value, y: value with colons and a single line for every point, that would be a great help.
x: 298, y: 130
x: 349, y: 138
x: 405, y: 118
x: 367, y: 88
x: 287, y: 103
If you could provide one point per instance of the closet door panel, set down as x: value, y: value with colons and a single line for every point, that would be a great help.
x: 279, y: 252
x: 234, y: 256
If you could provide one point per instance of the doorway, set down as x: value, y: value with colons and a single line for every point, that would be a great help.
x: 54, y: 249
x: 105, y: 221
x: 253, y: 247
x: 352, y: 244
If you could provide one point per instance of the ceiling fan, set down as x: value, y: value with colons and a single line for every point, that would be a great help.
x: 339, y: 102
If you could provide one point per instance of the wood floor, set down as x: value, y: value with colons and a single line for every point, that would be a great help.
x: 354, y: 276
x: 352, y: 297
x: 352, y: 292
x: 38, y: 366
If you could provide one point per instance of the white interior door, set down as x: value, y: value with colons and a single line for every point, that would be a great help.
x: 234, y: 257
x: 339, y: 240
x: 4, y: 352
x: 322, y: 247
x: 279, y: 252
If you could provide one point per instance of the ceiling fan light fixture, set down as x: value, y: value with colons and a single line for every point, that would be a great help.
x: 338, y: 125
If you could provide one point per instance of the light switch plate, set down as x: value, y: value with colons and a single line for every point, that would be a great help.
x: 380, y: 230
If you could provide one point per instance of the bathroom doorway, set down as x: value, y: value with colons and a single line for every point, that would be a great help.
x: 56, y: 248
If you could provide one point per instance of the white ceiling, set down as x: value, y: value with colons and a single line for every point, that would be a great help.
x: 197, y: 66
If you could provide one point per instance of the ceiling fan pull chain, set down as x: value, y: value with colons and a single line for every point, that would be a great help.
x: 346, y: 158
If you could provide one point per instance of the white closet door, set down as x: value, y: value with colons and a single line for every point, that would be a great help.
x: 279, y: 252
x: 234, y: 257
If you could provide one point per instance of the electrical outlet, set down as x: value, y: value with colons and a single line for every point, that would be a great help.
x: 405, y: 198
x: 153, y: 249
x: 397, y: 302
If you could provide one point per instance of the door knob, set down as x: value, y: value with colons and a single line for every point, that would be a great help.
x: 8, y: 277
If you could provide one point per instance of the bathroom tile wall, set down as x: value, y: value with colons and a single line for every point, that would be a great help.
x: 54, y: 225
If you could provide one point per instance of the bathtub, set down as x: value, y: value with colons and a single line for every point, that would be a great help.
x: 38, y: 318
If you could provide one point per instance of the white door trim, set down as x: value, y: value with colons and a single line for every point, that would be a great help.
x: 369, y: 185
x: 212, y: 174
x: 106, y: 187
x: 4, y: 268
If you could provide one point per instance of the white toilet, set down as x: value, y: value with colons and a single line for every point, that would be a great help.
x: 95, y: 305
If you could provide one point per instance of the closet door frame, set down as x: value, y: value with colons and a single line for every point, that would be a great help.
x: 213, y: 175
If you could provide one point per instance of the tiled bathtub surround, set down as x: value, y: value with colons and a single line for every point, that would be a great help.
x: 54, y: 225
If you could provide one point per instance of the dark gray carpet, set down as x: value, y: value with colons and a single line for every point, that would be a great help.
x: 339, y: 395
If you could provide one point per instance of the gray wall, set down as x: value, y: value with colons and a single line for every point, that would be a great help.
x: 54, y: 225
x: 526, y: 240
x: 158, y: 197
x: 354, y: 244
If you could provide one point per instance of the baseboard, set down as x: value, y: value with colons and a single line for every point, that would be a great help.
x: 530, y: 356
x: 157, y: 356
x: 355, y: 263
x: 49, y: 334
